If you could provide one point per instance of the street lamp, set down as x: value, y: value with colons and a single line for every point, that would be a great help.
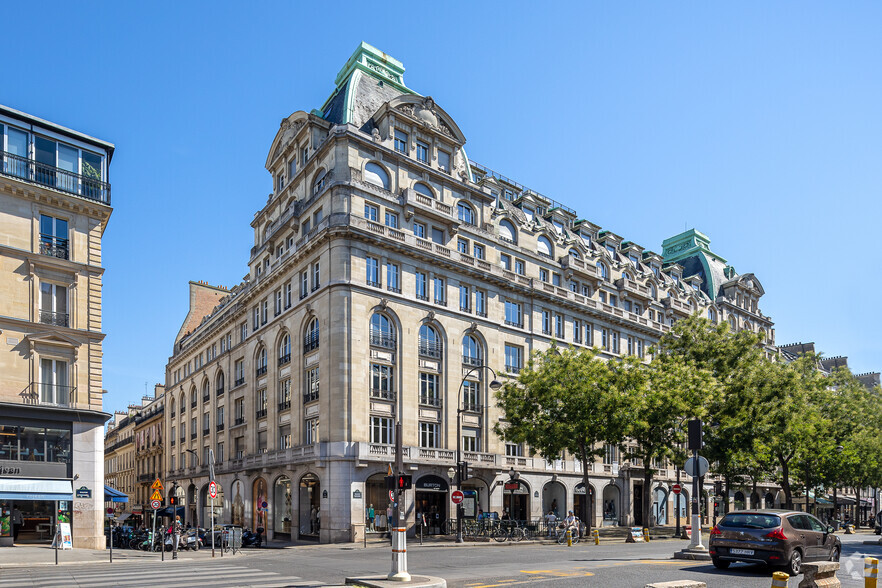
x: 494, y: 385
x: 513, y: 476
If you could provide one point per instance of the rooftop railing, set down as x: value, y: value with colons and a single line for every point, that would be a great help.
x: 54, y: 177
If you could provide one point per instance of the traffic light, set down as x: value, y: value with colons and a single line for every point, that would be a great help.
x: 404, y: 482
x: 390, y: 482
x: 464, y: 472
x: 718, y: 488
x: 694, y: 440
x: 172, y: 499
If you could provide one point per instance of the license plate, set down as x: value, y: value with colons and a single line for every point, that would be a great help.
x: 741, y: 551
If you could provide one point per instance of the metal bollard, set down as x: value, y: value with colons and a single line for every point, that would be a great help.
x: 871, y: 572
x: 779, y: 580
x: 569, y: 538
x: 646, y: 534
x: 596, y: 537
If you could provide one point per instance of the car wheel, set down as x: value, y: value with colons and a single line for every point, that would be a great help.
x: 795, y: 563
x: 720, y: 564
x: 834, y: 555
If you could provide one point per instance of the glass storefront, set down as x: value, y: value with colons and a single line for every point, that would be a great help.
x: 310, y: 507
x: 282, y: 506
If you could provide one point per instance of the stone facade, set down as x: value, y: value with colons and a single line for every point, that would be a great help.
x: 54, y: 207
x: 386, y: 266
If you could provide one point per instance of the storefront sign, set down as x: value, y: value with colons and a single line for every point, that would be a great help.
x: 36, y: 469
x: 83, y: 492
x: 432, y: 483
x: 10, y: 471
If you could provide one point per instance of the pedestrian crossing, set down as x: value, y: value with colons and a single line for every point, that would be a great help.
x: 143, y: 573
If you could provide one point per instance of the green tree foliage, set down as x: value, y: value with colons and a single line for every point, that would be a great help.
x: 564, y: 400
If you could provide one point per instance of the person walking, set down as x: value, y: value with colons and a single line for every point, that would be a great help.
x: 371, y: 517
x: 17, y: 522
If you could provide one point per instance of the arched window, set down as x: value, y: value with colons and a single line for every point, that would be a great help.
x: 732, y: 322
x: 172, y: 406
x: 319, y: 183
x: 376, y: 175
x: 285, y: 349
x: 574, y: 253
x: 747, y: 326
x: 421, y: 188
x: 653, y: 292
x: 471, y: 351
x: 382, y: 334
x: 465, y: 213
x: 261, y: 362
x: 193, y: 398
x: 311, y: 338
x: 183, y: 403
x: 430, y: 342
x: 543, y: 246
x: 762, y: 334
x: 220, y: 383
x: 206, y: 391
x: 712, y: 315
x: 627, y: 276
x: 507, y: 231
x: 601, y: 269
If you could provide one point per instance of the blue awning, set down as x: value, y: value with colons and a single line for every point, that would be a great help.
x: 111, y: 495
x: 36, y: 490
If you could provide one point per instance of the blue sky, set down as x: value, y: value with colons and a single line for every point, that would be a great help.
x: 756, y: 123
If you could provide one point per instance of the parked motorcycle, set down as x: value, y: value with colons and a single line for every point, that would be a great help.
x: 250, y: 539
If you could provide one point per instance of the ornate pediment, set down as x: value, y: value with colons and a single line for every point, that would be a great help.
x: 425, y: 112
x: 287, y: 131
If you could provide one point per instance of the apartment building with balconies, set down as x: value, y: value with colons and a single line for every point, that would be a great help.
x: 386, y: 265
x: 54, y: 207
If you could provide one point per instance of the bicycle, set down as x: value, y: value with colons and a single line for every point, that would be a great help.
x: 562, y: 533
x: 508, y: 531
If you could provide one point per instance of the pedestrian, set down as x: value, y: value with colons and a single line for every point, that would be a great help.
x: 505, y: 515
x: 550, y: 520
x: 176, y: 529
x: 554, y: 507
x: 17, y: 522
x: 371, y: 517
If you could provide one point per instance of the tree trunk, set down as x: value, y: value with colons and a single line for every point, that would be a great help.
x: 725, y: 496
x: 785, y: 481
x: 647, y: 495
x: 585, y: 515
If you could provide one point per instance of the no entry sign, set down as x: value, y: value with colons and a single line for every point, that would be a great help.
x: 456, y: 497
x: 676, y: 488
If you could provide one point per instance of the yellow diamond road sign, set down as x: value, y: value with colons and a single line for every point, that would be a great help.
x: 157, y: 485
x: 156, y: 495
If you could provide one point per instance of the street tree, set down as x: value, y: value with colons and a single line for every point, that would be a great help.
x: 564, y: 400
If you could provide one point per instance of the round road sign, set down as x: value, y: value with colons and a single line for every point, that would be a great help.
x: 155, y: 504
x: 263, y: 505
x: 392, y: 495
x: 212, y: 489
x: 456, y: 497
x: 109, y: 511
x: 676, y: 488
x: 700, y: 470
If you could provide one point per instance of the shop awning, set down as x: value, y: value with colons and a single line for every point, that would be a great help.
x: 123, y: 516
x: 111, y: 495
x: 36, y: 489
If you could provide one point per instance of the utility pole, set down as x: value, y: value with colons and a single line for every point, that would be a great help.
x: 399, y: 532
x: 210, y: 480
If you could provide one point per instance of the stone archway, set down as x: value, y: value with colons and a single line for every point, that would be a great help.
x: 612, y: 505
x: 554, y: 498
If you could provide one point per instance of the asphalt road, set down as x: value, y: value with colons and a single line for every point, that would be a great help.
x: 490, y: 564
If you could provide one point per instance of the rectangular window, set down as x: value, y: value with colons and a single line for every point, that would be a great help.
x: 288, y: 288
x: 602, y: 296
x: 264, y: 307
x: 304, y: 155
x: 429, y: 393
x: 651, y: 314
x: 478, y: 251
x: 373, y: 271
x: 371, y: 212
x: 471, y: 440
x: 443, y: 161
x: 577, y: 331
x: 610, y: 454
x: 471, y: 398
x: 53, y: 233
x: 238, y: 448
x: 292, y: 168
x: 604, y: 339
x: 514, y: 449
x: 316, y: 276
x: 400, y: 141
x: 285, y: 394
x: 311, y: 391
x: 613, y: 300
x: 304, y: 284
x: 311, y: 431
x: 306, y: 227
x: 462, y: 246
x: 558, y: 326
x: 555, y: 279
x: 280, y: 182
x: 419, y: 230
x: 422, y: 152
x: 277, y: 307
x: 239, y: 371
x: 481, y: 303
x: 513, y: 355
x: 285, y: 437
x: 382, y: 430
x: 626, y: 304
x: 520, y: 267
x: 589, y: 334
x: 261, y: 442
x: 546, y: 322
x: 438, y: 236
x: 438, y: 289
x: 219, y: 454
x: 505, y: 261
x: 430, y: 435
x: 381, y: 382
x: 421, y: 286
x: 630, y: 345
x: 219, y: 418
x: 243, y: 332
x: 53, y: 305
x: 513, y: 314
x: 543, y: 275
x: 261, y: 403
x: 465, y: 299
x: 392, y: 279
x: 615, y: 342
x: 639, y: 348
x: 391, y: 220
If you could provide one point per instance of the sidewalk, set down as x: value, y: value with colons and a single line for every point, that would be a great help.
x: 40, y: 555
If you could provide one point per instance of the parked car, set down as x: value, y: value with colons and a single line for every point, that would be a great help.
x: 775, y: 537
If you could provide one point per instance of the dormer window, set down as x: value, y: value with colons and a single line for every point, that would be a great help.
x: 507, y: 231
x: 633, y: 259
x: 676, y: 278
x: 586, y: 239
x: 304, y: 155
x: 558, y: 226
x: 655, y: 270
x: 601, y: 269
x: 443, y: 161
x: 611, y: 250
x: 543, y: 246
x: 508, y: 195
x: 574, y: 253
x: 529, y: 212
x: 400, y: 141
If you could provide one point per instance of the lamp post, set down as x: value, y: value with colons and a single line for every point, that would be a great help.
x: 186, y: 507
x: 460, y: 466
x: 513, y: 476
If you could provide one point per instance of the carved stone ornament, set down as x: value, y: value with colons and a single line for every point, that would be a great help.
x: 430, y: 316
x: 384, y: 303
x: 424, y: 111
x: 375, y: 135
x: 289, y: 130
x: 308, y: 308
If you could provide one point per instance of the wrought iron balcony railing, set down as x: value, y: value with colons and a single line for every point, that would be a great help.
x: 49, y: 394
x: 59, y: 319
x: 310, y: 396
x: 426, y: 400
x: 380, y: 339
x: 54, y: 246
x: 382, y: 394
x: 53, y: 177
x: 430, y: 349
x: 260, y: 371
x: 260, y: 413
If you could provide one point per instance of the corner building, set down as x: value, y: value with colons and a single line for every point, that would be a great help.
x: 54, y: 208
x: 386, y: 265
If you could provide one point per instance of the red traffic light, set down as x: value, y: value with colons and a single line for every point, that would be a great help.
x: 404, y: 482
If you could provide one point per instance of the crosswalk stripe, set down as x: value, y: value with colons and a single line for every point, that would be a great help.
x: 11, y: 577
